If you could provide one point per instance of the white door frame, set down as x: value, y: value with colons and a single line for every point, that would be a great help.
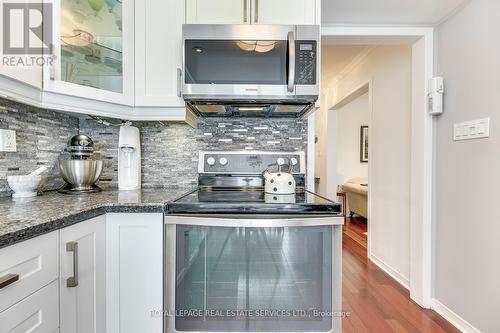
x: 422, y: 41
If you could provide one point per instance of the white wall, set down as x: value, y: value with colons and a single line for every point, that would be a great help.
x: 388, y: 68
x: 349, y: 120
x: 333, y: 60
x: 467, y: 173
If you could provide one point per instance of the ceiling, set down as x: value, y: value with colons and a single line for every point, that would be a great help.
x: 404, y: 12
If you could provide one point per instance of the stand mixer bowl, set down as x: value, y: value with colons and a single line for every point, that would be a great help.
x: 81, y: 175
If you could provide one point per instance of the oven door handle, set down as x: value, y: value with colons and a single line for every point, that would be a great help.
x: 291, y: 61
x: 249, y: 221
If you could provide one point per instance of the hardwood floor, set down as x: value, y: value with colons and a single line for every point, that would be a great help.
x: 373, y: 300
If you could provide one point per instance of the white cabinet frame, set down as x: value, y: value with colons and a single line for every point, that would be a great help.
x: 52, y: 74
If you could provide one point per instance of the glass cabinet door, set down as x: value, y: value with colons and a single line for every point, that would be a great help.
x: 253, y: 279
x: 93, y: 44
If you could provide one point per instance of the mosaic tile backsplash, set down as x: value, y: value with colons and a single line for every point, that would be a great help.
x: 169, y: 150
x: 41, y: 136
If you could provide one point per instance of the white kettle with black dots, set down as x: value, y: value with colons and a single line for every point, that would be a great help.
x: 280, y: 181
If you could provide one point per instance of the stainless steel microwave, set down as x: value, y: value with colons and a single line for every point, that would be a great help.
x: 251, y: 70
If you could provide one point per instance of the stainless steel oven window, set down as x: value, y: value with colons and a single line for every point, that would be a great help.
x: 245, y: 279
x: 262, y: 62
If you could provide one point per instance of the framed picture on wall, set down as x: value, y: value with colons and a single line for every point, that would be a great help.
x: 363, y: 144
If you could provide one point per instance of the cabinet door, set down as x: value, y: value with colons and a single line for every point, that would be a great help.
x: 93, y: 42
x: 83, y: 277
x: 21, y: 67
x: 28, y: 75
x: 134, y: 273
x: 218, y: 11
x: 159, y: 52
x: 283, y: 11
x: 35, y: 264
x: 37, y: 313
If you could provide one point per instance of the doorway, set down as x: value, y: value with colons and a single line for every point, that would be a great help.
x: 420, y: 41
x: 351, y: 155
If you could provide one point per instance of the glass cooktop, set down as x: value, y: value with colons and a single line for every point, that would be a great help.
x: 253, y: 201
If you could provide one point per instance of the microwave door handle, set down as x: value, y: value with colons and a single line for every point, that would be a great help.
x: 291, y: 61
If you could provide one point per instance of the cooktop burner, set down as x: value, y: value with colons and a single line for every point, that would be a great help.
x: 255, y: 201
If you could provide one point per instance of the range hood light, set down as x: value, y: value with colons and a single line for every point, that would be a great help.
x: 251, y: 108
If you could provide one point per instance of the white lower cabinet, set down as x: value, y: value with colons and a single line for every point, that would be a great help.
x: 134, y: 272
x: 38, y: 313
x: 83, y: 277
x: 108, y: 279
x: 26, y: 267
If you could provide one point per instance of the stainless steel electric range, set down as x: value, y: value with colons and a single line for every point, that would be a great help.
x: 241, y: 260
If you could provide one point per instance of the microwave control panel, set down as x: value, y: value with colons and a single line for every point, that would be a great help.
x: 306, y: 55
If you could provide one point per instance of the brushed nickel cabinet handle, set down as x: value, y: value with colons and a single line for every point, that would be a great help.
x: 52, y: 71
x: 291, y: 61
x: 8, y: 280
x: 179, y: 82
x: 245, y: 11
x: 256, y: 11
x: 72, y: 281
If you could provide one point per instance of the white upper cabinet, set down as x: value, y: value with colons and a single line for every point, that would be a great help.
x: 158, y: 55
x: 251, y: 11
x: 29, y: 75
x: 15, y: 64
x: 94, y: 50
x: 283, y: 12
x: 123, y: 58
x: 218, y: 11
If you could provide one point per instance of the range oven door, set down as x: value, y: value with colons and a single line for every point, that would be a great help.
x: 248, y: 274
x: 241, y: 62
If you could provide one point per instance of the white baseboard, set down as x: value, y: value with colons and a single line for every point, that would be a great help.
x: 405, y: 282
x: 452, y: 317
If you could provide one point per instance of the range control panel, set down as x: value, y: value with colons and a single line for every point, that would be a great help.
x: 306, y: 62
x: 249, y: 163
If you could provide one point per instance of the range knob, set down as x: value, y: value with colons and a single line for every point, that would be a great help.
x: 210, y: 161
x: 223, y: 161
x: 280, y: 161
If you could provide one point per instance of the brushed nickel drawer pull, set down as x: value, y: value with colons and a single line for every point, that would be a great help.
x: 245, y: 11
x: 72, y: 281
x: 256, y: 11
x: 8, y: 279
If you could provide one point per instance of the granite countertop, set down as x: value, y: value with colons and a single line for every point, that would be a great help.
x: 21, y: 219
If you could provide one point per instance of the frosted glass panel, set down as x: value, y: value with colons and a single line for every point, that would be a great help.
x: 253, y: 279
x: 91, y: 43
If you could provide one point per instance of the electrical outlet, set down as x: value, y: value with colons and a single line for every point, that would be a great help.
x: 8, y: 141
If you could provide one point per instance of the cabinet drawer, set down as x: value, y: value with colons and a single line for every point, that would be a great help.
x: 36, y: 263
x: 38, y: 313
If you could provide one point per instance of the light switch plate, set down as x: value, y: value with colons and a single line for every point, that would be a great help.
x: 8, y: 141
x: 475, y: 129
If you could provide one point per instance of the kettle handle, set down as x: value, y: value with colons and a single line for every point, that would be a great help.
x: 280, y: 166
x: 290, y: 166
x: 270, y: 165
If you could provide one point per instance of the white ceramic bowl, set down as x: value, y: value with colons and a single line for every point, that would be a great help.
x: 24, y: 186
